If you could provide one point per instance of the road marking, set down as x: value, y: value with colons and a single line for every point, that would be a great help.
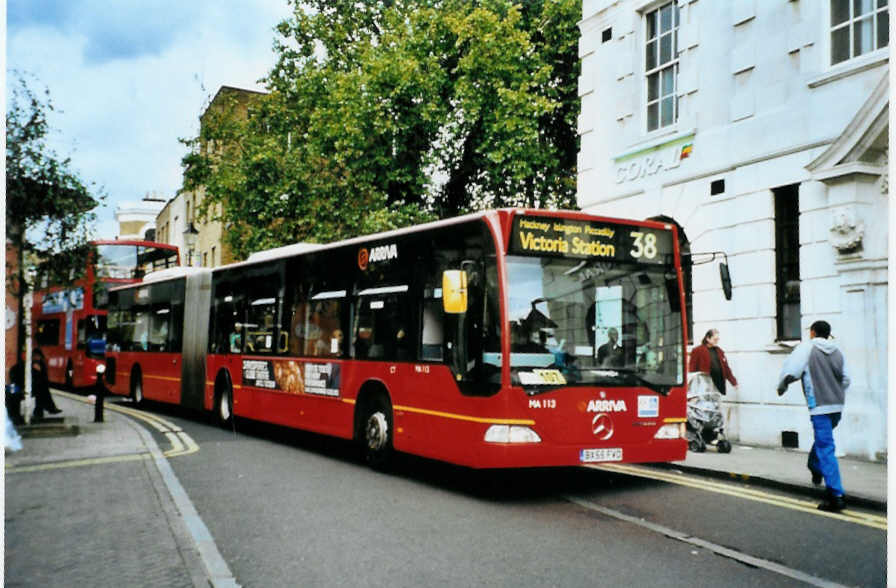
x: 76, y: 463
x: 181, y: 442
x: 859, y: 518
x: 696, y: 541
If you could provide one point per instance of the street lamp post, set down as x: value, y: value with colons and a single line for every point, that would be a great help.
x: 28, y: 302
x: 190, y: 236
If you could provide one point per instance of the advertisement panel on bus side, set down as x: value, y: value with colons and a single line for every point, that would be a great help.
x: 292, y: 377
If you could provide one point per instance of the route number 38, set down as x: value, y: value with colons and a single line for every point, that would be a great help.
x: 645, y: 245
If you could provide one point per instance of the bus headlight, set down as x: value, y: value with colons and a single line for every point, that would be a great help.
x: 671, y: 431
x: 511, y: 434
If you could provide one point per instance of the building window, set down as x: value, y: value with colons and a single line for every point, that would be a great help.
x: 858, y: 27
x: 213, y: 256
x: 787, y: 261
x: 661, y: 66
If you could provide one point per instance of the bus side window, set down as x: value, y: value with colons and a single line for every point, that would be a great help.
x: 260, y: 328
x: 160, y: 318
x: 433, y: 336
x: 381, y: 329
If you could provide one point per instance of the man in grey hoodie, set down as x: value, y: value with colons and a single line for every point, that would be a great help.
x: 820, y: 366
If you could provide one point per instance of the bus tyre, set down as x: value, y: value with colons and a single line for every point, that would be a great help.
x: 224, y: 406
x: 137, y: 388
x: 377, y: 433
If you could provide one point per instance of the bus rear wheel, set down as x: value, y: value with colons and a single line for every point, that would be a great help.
x: 224, y: 407
x: 137, y: 388
x: 377, y: 433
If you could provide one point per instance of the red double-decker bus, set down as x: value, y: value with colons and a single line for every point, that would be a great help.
x: 508, y: 338
x: 67, y: 324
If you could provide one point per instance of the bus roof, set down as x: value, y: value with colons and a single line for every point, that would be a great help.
x: 172, y: 273
x: 142, y: 242
x: 299, y: 248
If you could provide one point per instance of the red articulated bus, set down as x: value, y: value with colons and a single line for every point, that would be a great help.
x: 506, y: 338
x: 69, y: 327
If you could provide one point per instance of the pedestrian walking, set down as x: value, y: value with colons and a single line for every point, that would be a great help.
x: 15, y: 391
x: 709, y: 358
x: 821, y: 368
x: 40, y: 385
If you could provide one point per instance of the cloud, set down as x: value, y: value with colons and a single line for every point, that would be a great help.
x: 113, y: 30
x: 125, y: 89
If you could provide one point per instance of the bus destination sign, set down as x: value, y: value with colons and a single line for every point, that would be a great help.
x: 557, y: 237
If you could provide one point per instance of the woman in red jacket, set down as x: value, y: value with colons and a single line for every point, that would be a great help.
x: 709, y: 357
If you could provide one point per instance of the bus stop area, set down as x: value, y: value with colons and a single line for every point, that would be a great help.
x: 88, y: 506
x: 96, y: 507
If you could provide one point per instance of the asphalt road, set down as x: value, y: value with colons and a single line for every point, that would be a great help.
x: 290, y: 508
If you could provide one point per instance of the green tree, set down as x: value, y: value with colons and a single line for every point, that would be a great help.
x: 381, y: 114
x: 49, y: 209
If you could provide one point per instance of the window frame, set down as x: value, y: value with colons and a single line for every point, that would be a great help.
x: 658, y: 69
x: 849, y: 24
x: 787, y: 198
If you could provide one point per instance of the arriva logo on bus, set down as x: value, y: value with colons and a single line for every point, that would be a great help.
x: 375, y: 254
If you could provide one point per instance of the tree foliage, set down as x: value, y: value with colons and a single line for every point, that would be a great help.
x: 49, y: 209
x: 386, y: 113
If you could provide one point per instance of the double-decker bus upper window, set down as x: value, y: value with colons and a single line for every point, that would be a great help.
x: 129, y: 262
x: 116, y: 261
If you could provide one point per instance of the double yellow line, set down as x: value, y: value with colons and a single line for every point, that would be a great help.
x: 181, y: 443
x: 849, y: 515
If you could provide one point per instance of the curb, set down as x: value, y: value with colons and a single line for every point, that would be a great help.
x: 48, y: 429
x: 851, y: 499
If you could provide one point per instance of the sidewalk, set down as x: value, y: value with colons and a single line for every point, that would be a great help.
x: 865, y: 482
x: 93, y: 509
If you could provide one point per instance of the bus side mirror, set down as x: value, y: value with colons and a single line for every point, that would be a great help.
x: 726, y: 280
x: 454, y: 291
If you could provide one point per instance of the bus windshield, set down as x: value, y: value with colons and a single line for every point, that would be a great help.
x: 128, y: 261
x: 588, y: 322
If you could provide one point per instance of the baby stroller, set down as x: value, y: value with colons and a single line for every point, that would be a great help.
x: 705, y: 423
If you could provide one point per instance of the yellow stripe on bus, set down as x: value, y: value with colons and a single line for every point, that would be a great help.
x: 459, y: 417
x: 167, y: 378
x: 463, y: 417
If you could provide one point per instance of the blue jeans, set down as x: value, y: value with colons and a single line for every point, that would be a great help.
x: 822, y: 459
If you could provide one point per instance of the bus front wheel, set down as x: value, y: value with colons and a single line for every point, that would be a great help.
x: 377, y: 433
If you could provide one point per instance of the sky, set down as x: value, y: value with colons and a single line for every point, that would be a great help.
x: 128, y: 78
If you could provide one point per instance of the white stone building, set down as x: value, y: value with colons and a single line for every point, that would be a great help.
x: 137, y: 220
x: 761, y: 129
